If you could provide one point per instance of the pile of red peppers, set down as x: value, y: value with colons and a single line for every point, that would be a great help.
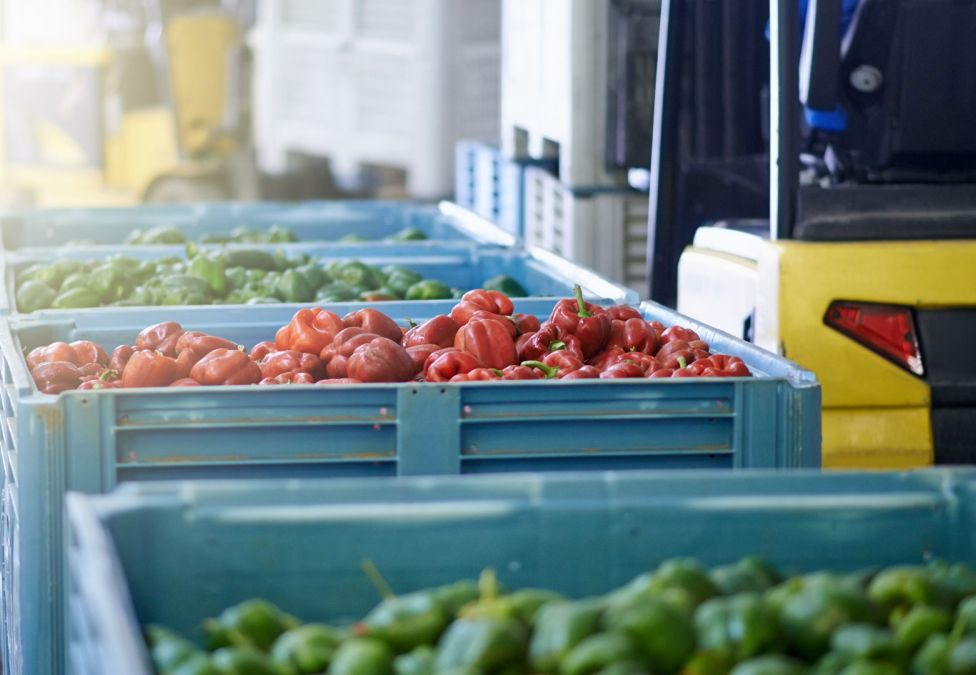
x: 482, y: 339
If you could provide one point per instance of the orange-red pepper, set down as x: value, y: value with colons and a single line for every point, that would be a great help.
x: 161, y: 337
x: 226, y: 366
x: 310, y: 330
x: 148, y: 368
x: 374, y: 321
x: 439, y: 330
x: 481, y: 300
x: 442, y: 365
x: 291, y: 361
x: 489, y: 341
x: 381, y: 360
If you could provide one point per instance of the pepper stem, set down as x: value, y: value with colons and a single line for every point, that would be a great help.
x: 682, y: 362
x: 488, y: 584
x: 375, y: 578
x: 583, y: 312
x: 411, y: 323
x: 549, y: 371
x: 556, y: 345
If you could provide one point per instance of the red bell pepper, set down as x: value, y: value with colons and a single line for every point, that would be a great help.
x: 336, y: 355
x: 720, y: 365
x: 622, y: 369
x: 291, y: 377
x: 488, y: 341
x: 672, y: 347
x: 185, y: 382
x: 549, y: 338
x: 201, y: 344
x: 374, y: 321
x: 262, y: 349
x: 93, y: 371
x: 677, y: 360
x: 309, y: 331
x: 56, y: 351
x: 53, y: 377
x: 148, y: 368
x: 590, y: 323
x: 341, y: 380
x: 632, y: 335
x: 584, y: 373
x: 292, y: 361
x: 646, y: 362
x: 678, y: 333
x: 698, y: 345
x: 96, y: 383
x: 439, y: 330
x: 606, y: 358
x: 479, y: 375
x: 120, y: 356
x: 526, y: 323
x: 381, y: 360
x: 87, y: 351
x: 226, y: 367
x: 420, y: 354
x: 563, y: 360
x: 480, y: 299
x: 161, y: 337
x: 443, y: 365
x: 662, y: 372
x: 505, y: 321
x: 623, y: 312
x: 528, y: 370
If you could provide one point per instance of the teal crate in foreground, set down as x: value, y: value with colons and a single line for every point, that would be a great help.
x: 92, y: 441
x: 310, y: 221
x: 178, y: 553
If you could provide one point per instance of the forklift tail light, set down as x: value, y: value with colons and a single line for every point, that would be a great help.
x: 888, y: 330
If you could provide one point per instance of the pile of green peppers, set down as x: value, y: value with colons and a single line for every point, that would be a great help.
x: 228, y: 276
x: 739, y: 619
x: 165, y: 234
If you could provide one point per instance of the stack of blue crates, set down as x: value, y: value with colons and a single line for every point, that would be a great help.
x: 90, y: 442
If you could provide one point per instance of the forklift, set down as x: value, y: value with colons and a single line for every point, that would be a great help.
x: 839, y: 230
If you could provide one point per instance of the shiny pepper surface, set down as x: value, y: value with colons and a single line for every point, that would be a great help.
x: 549, y: 338
x: 590, y: 323
x: 381, y: 360
x: 488, y: 341
x: 120, y: 357
x: 450, y: 362
x: 262, y: 349
x: 439, y: 330
x: 407, y: 621
x: 374, y: 321
x: 633, y: 335
x: 53, y: 377
x: 336, y: 355
x: 201, y: 344
x: 291, y: 361
x: 560, y: 626
x: 310, y: 330
x: 161, y: 337
x: 743, y: 625
x: 146, y: 368
x: 481, y: 300
x: 226, y: 367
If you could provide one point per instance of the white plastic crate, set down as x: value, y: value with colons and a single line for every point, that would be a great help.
x: 383, y: 82
x: 555, y: 58
x: 606, y: 231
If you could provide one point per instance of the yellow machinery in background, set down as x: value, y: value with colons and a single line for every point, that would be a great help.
x: 108, y: 126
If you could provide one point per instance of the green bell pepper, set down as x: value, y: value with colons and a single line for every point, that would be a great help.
x: 77, y: 298
x: 408, y: 234
x: 251, y: 259
x: 236, y: 277
x: 293, y: 286
x: 664, y: 634
x: 177, y: 284
x: 314, y: 275
x: 863, y: 641
x: 304, y: 650
x: 429, y: 289
x: 685, y: 574
x: 52, y: 274
x: 168, y: 649
x: 198, y: 664
x: 966, y: 615
x: 506, y: 285
x: 252, y: 623
x: 749, y: 574
x: 952, y: 582
x: 242, y: 661
x: 822, y: 604
x: 407, y: 621
x: 453, y: 597
x: 111, y: 283
x: 399, y: 278
x: 337, y: 291
x: 76, y: 280
x: 919, y: 624
x: 770, y: 665
x: 743, y: 625
x: 962, y: 658
x: 362, y: 656
x: 355, y: 273
x: 210, y: 269
x: 487, y: 644
x: 597, y: 652
x: 33, y: 295
x: 560, y: 626
x: 708, y: 662
x: 421, y: 661
x: 864, y: 667
x: 901, y: 588
x: 276, y: 234
x: 526, y: 602
x: 933, y: 657
x: 162, y: 234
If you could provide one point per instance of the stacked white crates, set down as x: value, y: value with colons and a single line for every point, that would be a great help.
x: 376, y: 82
x: 555, y: 56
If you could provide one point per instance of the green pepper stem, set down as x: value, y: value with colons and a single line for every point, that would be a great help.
x: 411, y: 323
x: 549, y: 371
x: 682, y: 362
x: 556, y: 345
x: 375, y: 578
x: 488, y: 584
x: 583, y: 312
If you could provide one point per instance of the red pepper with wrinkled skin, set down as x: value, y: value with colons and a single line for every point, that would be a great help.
x: 478, y: 375
x: 87, y: 351
x: 381, y: 360
x: 662, y: 372
x: 226, y: 367
x: 148, y: 368
x: 201, y: 344
x: 262, y: 349
x: 584, y: 373
x: 588, y: 322
x: 56, y: 351
x: 720, y: 365
x: 439, y: 330
x: 480, y: 299
x: 529, y: 370
x: 505, y: 321
x: 549, y: 338
x: 420, y: 354
x: 336, y: 355
x: 291, y: 377
x: 672, y: 347
x: 161, y: 337
x: 646, y: 362
x: 120, y: 357
x: 632, y: 335
x: 677, y: 360
x: 698, y: 345
x: 605, y: 358
x: 289, y: 361
x: 309, y: 331
x: 374, y: 321
x: 526, y: 323
x: 185, y: 382
x: 488, y: 341
x: 622, y: 369
x: 441, y: 367
x: 623, y: 313
x: 53, y: 377
x: 185, y: 362
x: 562, y: 360
x: 684, y: 372
x: 678, y: 333
x: 91, y: 370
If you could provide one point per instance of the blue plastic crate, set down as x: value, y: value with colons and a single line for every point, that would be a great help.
x: 492, y: 186
x: 92, y: 441
x: 543, y: 274
x: 178, y: 553
x: 310, y: 221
